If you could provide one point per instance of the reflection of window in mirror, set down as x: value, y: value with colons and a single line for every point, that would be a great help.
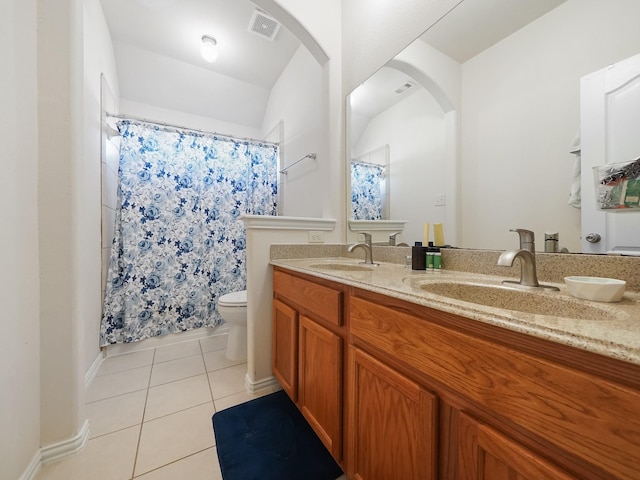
x: 370, y: 185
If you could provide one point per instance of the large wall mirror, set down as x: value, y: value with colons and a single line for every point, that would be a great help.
x: 479, y: 118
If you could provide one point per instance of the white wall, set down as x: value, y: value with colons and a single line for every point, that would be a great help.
x: 60, y: 99
x: 520, y: 114
x: 19, y: 284
x: 147, y: 74
x: 414, y: 129
x: 188, y: 120
x: 98, y: 59
x: 296, y: 99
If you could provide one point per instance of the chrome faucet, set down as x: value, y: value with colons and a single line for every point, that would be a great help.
x: 366, y: 246
x: 528, y: 276
x: 392, y: 241
x: 527, y: 255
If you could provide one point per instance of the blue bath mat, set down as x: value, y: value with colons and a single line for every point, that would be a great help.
x: 269, y: 439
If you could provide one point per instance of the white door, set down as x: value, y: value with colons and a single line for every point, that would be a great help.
x: 610, y: 133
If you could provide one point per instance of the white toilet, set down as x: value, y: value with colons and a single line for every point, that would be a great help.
x: 233, y: 309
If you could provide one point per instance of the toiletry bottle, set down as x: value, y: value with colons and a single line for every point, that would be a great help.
x: 418, y: 257
x: 430, y: 252
x: 437, y: 259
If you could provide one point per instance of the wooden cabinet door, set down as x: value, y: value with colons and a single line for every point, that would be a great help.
x: 320, y: 383
x: 284, y: 347
x: 485, y: 454
x: 392, y: 423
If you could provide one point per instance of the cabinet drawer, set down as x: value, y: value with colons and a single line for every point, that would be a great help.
x: 590, y: 417
x: 323, y: 302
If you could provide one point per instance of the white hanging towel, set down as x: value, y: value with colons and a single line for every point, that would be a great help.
x: 574, y: 194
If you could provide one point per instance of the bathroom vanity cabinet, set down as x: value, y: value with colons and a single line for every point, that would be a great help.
x: 308, y: 341
x: 433, y: 395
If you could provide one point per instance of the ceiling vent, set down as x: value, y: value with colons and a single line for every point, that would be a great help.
x: 404, y: 87
x: 264, y: 25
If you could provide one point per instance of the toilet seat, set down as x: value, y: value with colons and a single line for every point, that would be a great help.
x: 233, y: 299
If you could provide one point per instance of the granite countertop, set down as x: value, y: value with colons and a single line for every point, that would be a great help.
x: 610, y: 329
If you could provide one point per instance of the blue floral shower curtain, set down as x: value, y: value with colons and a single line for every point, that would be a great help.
x: 179, y: 243
x: 366, y: 193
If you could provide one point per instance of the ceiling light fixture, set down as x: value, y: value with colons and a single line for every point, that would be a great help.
x: 209, y: 48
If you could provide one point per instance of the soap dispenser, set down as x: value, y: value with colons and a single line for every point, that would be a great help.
x: 418, y: 257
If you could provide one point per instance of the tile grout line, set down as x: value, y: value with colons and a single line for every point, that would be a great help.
x: 178, y: 358
x: 98, y: 374
x: 115, y: 396
x: 177, y: 411
x: 177, y: 380
x: 144, y: 411
x: 174, y: 461
x: 213, y: 402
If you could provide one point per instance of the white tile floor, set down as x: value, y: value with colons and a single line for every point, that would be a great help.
x: 150, y: 414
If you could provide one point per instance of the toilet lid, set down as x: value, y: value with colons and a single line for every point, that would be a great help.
x: 234, y: 299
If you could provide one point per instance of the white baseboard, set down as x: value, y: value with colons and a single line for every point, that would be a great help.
x: 60, y: 450
x: 173, y: 338
x: 258, y: 386
x: 93, y: 369
x: 33, y: 468
x: 56, y: 451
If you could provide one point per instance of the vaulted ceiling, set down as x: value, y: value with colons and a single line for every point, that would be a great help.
x: 157, y: 47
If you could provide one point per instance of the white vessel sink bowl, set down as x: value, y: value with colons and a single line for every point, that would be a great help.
x: 597, y: 289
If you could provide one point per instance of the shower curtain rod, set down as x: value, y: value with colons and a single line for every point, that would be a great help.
x: 181, y: 127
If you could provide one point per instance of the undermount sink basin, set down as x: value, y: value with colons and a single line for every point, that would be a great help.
x: 526, y: 301
x: 343, y: 267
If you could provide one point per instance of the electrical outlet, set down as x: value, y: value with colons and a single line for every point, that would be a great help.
x: 316, y: 236
x: 440, y: 200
